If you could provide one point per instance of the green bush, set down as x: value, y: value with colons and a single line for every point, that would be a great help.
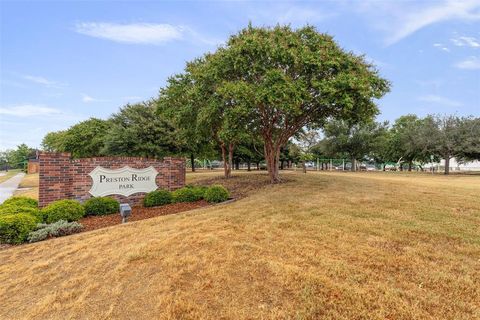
x: 69, y: 210
x: 216, y: 193
x: 22, y: 202
x: 56, y: 229
x: 157, y: 198
x: 186, y: 194
x: 199, y: 191
x: 14, y: 228
x: 101, y: 206
x: 15, y: 209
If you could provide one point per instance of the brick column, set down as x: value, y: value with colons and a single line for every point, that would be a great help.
x: 55, y: 177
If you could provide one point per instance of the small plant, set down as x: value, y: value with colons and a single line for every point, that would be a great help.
x: 157, y: 198
x: 199, y: 191
x: 101, y: 206
x: 216, y: 193
x: 186, y: 194
x: 21, y: 202
x: 14, y: 228
x: 69, y: 210
x: 56, y: 229
x: 16, y: 209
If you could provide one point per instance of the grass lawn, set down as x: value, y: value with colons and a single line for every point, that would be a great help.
x: 319, y: 246
x: 9, y: 174
x: 29, y: 181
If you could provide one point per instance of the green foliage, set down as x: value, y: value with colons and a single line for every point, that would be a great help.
x: 69, y: 210
x: 56, y: 229
x: 157, y: 198
x: 86, y: 139
x: 216, y: 193
x: 18, y: 158
x: 355, y: 141
x: 101, y: 206
x: 22, y: 202
x: 137, y: 130
x: 14, y: 228
x: 187, y: 194
x: 198, y: 191
x: 9, y: 209
x: 54, y: 141
x: 272, y: 82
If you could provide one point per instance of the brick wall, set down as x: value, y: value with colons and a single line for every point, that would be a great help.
x: 62, y: 177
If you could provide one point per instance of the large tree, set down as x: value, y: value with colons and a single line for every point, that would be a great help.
x: 86, y: 138
x: 452, y: 136
x: 410, y: 140
x: 136, y: 130
x: 282, y: 80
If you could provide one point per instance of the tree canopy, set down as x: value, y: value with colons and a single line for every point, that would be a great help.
x: 272, y: 82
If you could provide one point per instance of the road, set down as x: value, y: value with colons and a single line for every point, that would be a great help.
x: 8, y: 187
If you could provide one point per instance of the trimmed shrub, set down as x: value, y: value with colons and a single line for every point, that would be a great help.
x: 101, y: 206
x: 186, y: 194
x: 199, y: 191
x: 22, y: 202
x: 15, y: 209
x: 69, y: 210
x: 14, y: 228
x: 56, y: 229
x: 216, y: 193
x: 157, y: 198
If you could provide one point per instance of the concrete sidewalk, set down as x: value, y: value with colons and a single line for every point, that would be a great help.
x: 8, y: 187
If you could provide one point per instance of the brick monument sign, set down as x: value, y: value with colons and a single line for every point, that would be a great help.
x: 126, y: 179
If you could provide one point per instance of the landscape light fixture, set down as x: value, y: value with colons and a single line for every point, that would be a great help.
x: 125, y: 211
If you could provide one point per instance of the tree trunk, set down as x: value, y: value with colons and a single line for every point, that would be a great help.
x: 225, y: 162
x: 248, y: 166
x: 237, y: 165
x: 192, y: 159
x: 410, y: 165
x: 272, y: 156
x: 281, y: 165
x: 384, y: 165
x: 354, y: 165
x: 230, y: 159
x: 447, y: 165
x: 258, y: 165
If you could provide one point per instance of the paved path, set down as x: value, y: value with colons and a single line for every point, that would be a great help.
x: 8, y: 187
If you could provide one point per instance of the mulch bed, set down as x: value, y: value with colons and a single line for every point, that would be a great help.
x: 139, y: 213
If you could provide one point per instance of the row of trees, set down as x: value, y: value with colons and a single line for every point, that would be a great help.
x: 410, y: 140
x: 251, y: 98
x: 16, y: 158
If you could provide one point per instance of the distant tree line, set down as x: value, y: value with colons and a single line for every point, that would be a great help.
x: 409, y: 141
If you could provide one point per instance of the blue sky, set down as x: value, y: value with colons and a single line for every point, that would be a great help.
x: 63, y: 62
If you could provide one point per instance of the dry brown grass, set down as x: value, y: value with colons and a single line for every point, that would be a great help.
x: 30, y: 183
x: 321, y: 246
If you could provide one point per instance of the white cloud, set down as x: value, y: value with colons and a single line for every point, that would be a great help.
x: 29, y: 110
x: 87, y: 99
x: 466, y: 42
x: 400, y: 19
x: 431, y: 98
x: 471, y: 63
x: 143, y: 33
x: 43, y: 81
x: 441, y: 47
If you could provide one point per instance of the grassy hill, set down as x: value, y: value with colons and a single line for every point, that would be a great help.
x: 321, y: 245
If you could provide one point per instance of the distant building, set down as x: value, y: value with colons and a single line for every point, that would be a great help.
x: 455, y: 165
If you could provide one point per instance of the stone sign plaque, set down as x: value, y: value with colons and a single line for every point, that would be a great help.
x: 125, y: 181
